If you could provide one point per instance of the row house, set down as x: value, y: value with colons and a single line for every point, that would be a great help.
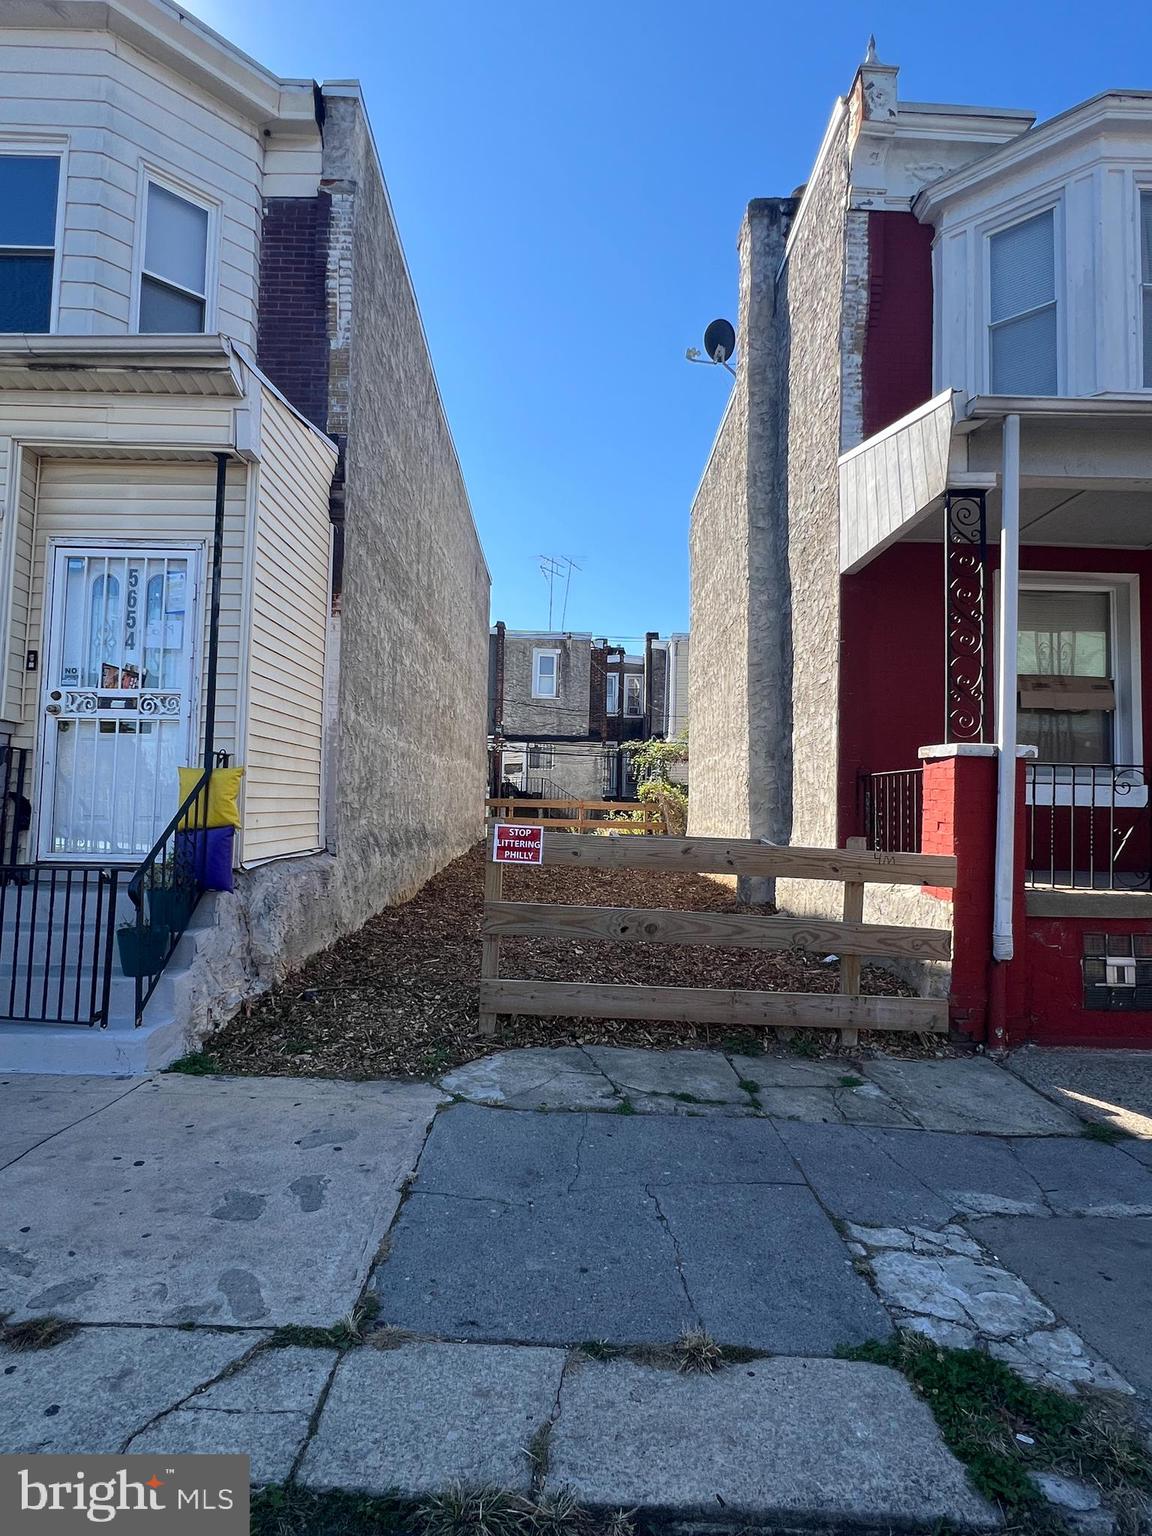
x: 561, y: 705
x: 921, y: 572
x: 234, y: 532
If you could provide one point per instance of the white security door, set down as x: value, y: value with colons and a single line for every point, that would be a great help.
x: 117, y: 699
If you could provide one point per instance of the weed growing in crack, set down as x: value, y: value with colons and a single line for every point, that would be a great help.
x: 625, y: 1107
x: 195, y: 1064
x: 1003, y: 1429
x: 599, y: 1349
x: 1109, y: 1134
x: 35, y: 1332
x: 346, y: 1334
x: 697, y: 1350
x: 687, y: 1098
x: 850, y: 1080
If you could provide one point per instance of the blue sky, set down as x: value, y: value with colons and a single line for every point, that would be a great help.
x: 569, y: 181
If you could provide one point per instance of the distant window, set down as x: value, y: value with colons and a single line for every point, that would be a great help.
x: 1146, y: 281
x: 612, y: 697
x: 542, y: 759
x: 29, y: 185
x: 633, y: 694
x: 545, y: 674
x: 174, y: 276
x: 1022, y: 308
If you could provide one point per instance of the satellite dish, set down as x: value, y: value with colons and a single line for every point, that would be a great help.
x: 719, y: 341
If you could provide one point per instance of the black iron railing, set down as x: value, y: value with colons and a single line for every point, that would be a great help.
x: 165, y: 892
x: 1087, y: 826
x: 56, y: 931
x: 893, y: 809
x: 16, y: 805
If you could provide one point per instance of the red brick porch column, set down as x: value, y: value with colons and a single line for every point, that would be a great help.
x: 960, y: 819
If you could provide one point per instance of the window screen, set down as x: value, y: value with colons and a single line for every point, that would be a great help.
x: 28, y: 191
x: 173, y: 285
x: 1022, y: 308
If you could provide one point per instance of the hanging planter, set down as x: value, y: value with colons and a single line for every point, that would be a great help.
x: 170, y: 906
x: 143, y: 948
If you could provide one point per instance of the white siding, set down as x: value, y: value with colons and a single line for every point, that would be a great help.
x: 25, y: 509
x: 291, y: 584
x: 156, y: 504
x: 115, y: 111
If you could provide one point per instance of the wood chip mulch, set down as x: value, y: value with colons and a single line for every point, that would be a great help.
x: 399, y: 998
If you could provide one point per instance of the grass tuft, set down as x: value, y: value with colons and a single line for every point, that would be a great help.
x: 346, y: 1334
x: 625, y: 1107
x: 697, y: 1350
x: 35, y: 1332
x: 1105, y: 1131
x: 850, y: 1080
x: 196, y: 1064
x: 983, y: 1408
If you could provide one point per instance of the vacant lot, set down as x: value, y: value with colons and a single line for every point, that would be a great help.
x: 399, y: 998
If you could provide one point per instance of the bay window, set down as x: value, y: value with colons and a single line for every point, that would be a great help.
x: 1022, y: 309
x: 29, y: 188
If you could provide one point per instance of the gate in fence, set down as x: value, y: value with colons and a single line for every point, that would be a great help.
x: 851, y: 938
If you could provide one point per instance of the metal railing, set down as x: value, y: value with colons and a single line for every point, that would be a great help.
x: 15, y: 806
x: 165, y: 892
x: 56, y: 943
x: 1087, y: 826
x: 893, y: 809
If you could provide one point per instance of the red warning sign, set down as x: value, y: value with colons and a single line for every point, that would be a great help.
x: 517, y: 844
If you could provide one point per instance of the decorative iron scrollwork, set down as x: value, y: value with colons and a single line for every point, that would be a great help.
x: 966, y: 616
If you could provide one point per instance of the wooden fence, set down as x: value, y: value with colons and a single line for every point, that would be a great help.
x: 851, y: 938
x: 579, y: 815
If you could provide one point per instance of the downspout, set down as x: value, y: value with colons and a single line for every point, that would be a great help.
x: 214, y: 613
x: 1005, y: 876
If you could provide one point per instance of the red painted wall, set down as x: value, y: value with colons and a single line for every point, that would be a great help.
x: 1048, y: 1007
x: 897, y: 363
x: 892, y: 654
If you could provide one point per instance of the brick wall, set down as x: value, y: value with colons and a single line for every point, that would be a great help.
x: 292, y: 341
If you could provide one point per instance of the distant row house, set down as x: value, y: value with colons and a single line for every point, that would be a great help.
x: 561, y: 705
x: 921, y: 579
x: 234, y: 531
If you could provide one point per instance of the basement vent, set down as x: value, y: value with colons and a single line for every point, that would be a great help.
x: 1117, y: 971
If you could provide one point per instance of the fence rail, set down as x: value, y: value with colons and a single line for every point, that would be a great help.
x: 579, y: 815
x: 1088, y: 826
x: 854, y: 867
x: 894, y: 809
x: 57, y: 928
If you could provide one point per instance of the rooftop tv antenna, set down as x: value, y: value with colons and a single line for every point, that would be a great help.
x: 555, y: 568
x: 719, y: 346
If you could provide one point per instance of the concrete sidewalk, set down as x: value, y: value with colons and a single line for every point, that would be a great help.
x: 530, y: 1268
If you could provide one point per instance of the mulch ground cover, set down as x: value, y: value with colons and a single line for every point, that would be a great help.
x: 399, y: 998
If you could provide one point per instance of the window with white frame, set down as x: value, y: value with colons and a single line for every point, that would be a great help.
x: 545, y: 674
x: 612, y: 696
x: 174, y: 270
x: 1076, y: 671
x: 633, y: 694
x: 29, y: 194
x: 1146, y: 282
x: 1022, y: 308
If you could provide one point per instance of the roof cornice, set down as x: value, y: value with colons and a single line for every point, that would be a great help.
x: 174, y: 37
x: 1120, y: 109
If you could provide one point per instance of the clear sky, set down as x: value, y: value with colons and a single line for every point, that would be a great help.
x: 569, y: 180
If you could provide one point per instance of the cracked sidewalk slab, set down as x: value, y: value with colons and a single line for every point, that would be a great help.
x: 774, y: 1442
x: 419, y: 1418
x: 263, y: 1410
x: 96, y: 1390
x: 239, y: 1201
x: 35, y: 1107
x: 562, y: 1077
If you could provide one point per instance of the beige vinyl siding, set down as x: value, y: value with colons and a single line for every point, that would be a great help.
x: 149, y: 503
x: 291, y: 585
x: 120, y: 110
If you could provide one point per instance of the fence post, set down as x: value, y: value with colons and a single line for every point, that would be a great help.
x: 490, y: 956
x: 850, y: 964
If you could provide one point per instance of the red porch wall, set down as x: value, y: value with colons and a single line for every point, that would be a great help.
x: 1048, y: 1005
x: 897, y: 362
x: 892, y: 654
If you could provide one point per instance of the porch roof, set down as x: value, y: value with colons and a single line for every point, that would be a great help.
x: 1086, y: 471
x: 133, y: 365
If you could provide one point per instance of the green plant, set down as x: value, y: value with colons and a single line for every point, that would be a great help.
x: 850, y: 1080
x: 742, y: 1045
x: 652, y: 763
x: 345, y: 1334
x: 1004, y: 1428
x: 1105, y: 1131
x: 625, y: 1107
x: 697, y: 1350
x: 750, y: 1086
x: 195, y: 1064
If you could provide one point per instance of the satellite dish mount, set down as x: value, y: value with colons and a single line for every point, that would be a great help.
x: 719, y: 346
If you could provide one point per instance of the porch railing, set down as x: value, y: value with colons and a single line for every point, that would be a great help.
x: 1088, y: 826
x: 56, y: 943
x: 893, y: 809
x: 16, y: 805
x: 166, y: 890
